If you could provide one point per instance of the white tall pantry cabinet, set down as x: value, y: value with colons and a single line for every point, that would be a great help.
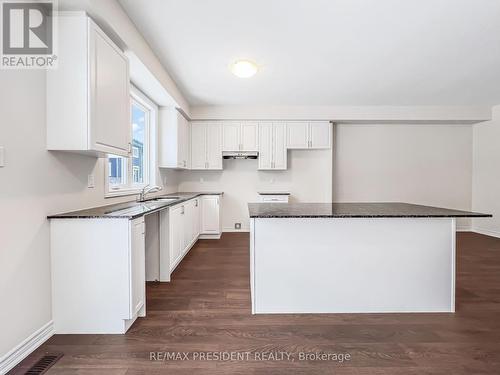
x: 88, y: 95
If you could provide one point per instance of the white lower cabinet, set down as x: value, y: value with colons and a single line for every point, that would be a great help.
x: 137, y: 266
x: 181, y: 226
x: 210, y: 216
x: 98, y: 274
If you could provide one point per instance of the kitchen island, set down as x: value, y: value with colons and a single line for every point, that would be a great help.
x: 352, y: 257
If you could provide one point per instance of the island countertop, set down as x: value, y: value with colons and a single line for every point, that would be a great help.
x: 354, y: 210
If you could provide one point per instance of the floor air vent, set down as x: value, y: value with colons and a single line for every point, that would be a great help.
x: 43, y: 364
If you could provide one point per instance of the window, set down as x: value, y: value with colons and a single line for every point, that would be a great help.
x: 129, y: 175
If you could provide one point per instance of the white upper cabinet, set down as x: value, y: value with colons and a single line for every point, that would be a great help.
x: 272, y: 146
x: 250, y: 136
x: 320, y: 135
x: 206, y: 145
x: 88, y: 95
x: 240, y: 136
x: 174, y: 139
x: 231, y: 136
x: 312, y: 135
x: 198, y: 145
x: 297, y: 135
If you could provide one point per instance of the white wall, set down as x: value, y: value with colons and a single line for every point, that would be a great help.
x: 422, y: 164
x: 308, y: 178
x: 486, y: 180
x: 33, y: 184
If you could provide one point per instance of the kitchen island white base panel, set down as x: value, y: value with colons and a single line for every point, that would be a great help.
x: 352, y: 265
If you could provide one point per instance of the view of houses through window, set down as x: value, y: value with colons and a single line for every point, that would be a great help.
x: 132, y: 172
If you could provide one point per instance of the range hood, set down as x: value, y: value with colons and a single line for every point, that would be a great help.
x: 240, y: 154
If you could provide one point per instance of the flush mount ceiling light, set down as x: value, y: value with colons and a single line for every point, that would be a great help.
x: 244, y: 68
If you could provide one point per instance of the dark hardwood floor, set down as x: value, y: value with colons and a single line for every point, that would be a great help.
x: 206, y: 308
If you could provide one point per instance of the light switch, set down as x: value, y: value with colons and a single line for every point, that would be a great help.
x: 2, y: 156
x: 90, y: 181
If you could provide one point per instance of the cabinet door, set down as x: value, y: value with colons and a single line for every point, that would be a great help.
x: 183, y: 139
x: 249, y: 136
x: 231, y: 136
x: 110, y: 129
x: 265, y: 145
x: 176, y: 234
x: 210, y: 214
x: 214, y: 145
x: 137, y: 266
x: 196, y: 218
x: 187, y: 227
x: 320, y: 134
x: 279, y: 146
x: 297, y: 135
x: 198, y: 145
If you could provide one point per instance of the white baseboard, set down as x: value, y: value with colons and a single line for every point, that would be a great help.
x: 232, y: 230
x: 486, y: 232
x: 464, y: 228
x: 25, y: 348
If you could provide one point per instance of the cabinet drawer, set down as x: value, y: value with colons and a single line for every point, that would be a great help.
x: 274, y: 198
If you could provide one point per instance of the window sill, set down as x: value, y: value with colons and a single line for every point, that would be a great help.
x: 122, y: 193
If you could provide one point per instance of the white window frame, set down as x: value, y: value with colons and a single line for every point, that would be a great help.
x: 140, y: 99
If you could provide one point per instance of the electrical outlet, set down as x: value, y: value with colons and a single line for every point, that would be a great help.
x: 90, y: 181
x: 237, y: 225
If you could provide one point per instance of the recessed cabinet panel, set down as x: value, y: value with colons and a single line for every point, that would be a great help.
x: 138, y: 266
x: 210, y: 216
x: 214, y: 146
x: 174, y: 140
x: 198, y: 145
x: 279, y: 146
x: 249, y: 136
x: 272, y: 146
x: 109, y: 91
x: 320, y: 135
x: 297, y: 135
x: 265, y: 145
x: 206, y: 145
x: 176, y: 235
x: 309, y: 135
x: 231, y: 136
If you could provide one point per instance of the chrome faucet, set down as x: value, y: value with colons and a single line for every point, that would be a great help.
x: 146, y: 190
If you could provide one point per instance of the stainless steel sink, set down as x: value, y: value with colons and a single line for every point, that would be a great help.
x: 160, y: 199
x: 143, y: 206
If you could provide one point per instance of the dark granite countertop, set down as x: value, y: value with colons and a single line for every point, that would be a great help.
x: 352, y: 210
x: 132, y: 210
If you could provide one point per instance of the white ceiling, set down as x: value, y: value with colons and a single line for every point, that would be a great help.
x: 328, y: 52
